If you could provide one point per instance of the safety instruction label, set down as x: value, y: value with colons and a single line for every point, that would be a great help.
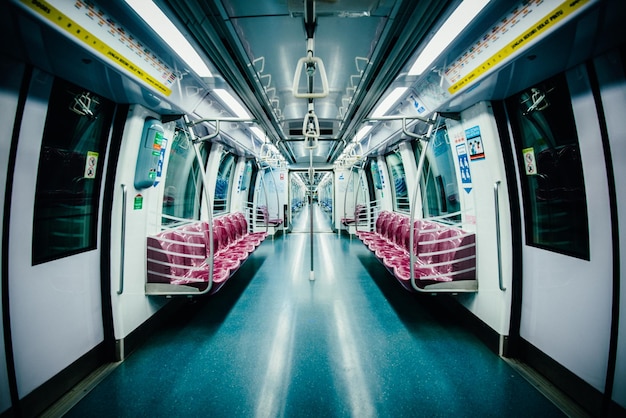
x: 464, y: 167
x: 92, y: 27
x: 520, y: 28
x: 91, y: 164
x: 138, y: 202
x: 530, y: 163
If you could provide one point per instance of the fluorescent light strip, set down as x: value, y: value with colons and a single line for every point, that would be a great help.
x: 362, y: 132
x: 389, y: 101
x: 160, y: 23
x: 258, y: 133
x: 452, y: 27
x: 232, y: 103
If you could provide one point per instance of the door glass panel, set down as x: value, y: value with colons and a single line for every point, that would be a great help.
x: 222, y: 185
x: 399, y: 191
x: 439, y: 185
x: 183, y: 184
x: 553, y: 189
x: 69, y: 176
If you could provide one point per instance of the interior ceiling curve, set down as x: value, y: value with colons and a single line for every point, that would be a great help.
x: 256, y: 46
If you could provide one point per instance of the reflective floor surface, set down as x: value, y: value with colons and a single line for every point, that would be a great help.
x: 351, y: 343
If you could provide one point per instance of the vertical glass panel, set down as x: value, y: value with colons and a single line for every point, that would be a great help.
x: 69, y: 176
x: 246, y: 176
x: 555, y: 207
x: 222, y: 184
x: 439, y: 184
x: 378, y: 184
x: 399, y: 189
x: 183, y: 186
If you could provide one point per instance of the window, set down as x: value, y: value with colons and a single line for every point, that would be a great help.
x: 375, y: 173
x: 439, y: 185
x: 69, y: 175
x: 553, y: 190
x: 222, y: 184
x: 399, y: 191
x: 183, y: 185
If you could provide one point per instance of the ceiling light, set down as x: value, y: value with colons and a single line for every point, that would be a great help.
x: 458, y: 20
x: 232, y: 103
x: 389, y: 101
x: 258, y: 133
x: 362, y: 132
x: 160, y: 23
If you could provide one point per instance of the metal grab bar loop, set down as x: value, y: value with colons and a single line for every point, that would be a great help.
x: 311, y: 129
x: 308, y: 63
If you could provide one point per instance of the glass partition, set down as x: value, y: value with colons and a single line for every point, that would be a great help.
x: 181, y: 199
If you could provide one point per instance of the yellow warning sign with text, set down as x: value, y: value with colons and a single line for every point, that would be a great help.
x: 91, y: 41
x: 540, y: 27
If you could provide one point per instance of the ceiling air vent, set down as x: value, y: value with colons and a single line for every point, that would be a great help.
x: 326, y: 128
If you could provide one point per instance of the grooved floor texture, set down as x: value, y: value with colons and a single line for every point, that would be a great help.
x: 351, y: 343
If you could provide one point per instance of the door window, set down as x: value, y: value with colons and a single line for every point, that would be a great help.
x: 69, y: 176
x: 553, y: 189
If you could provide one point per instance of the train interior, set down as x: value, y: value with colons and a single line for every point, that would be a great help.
x: 313, y: 207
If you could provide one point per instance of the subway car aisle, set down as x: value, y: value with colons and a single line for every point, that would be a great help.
x: 350, y: 343
x: 321, y: 220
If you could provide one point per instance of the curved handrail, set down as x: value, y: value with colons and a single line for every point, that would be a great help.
x: 196, y: 142
x: 345, y: 198
x: 420, y: 166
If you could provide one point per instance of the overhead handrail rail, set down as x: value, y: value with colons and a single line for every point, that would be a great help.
x: 420, y: 166
x: 217, y: 121
x: 404, y: 120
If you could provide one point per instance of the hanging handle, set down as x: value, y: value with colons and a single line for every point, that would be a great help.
x: 310, y: 62
x: 311, y: 129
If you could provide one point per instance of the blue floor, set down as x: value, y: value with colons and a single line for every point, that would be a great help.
x: 351, y: 343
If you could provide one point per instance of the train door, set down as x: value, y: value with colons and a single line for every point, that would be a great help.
x: 54, y: 282
x: 11, y: 74
x: 566, y: 224
x: 611, y: 72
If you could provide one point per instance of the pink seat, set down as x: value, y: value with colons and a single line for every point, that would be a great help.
x: 158, y: 266
x: 181, y: 256
x: 227, y: 250
x: 456, y: 252
x: 196, y: 245
x: 365, y: 236
x: 176, y: 250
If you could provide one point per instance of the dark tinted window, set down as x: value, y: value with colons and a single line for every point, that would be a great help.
x: 69, y: 176
x: 553, y: 188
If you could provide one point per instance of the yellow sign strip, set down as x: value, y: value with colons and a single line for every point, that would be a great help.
x: 551, y: 19
x: 54, y: 16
